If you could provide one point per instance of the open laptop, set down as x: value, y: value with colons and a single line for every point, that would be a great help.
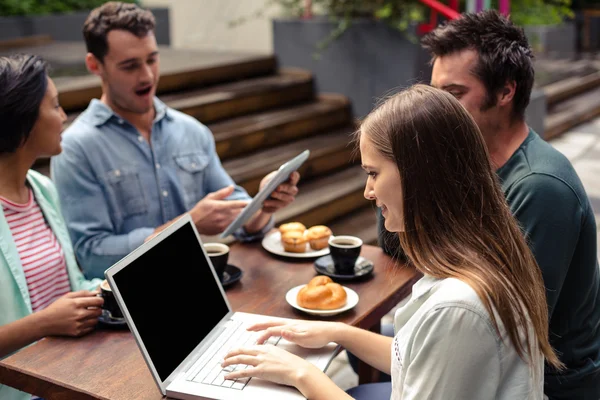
x: 178, y: 312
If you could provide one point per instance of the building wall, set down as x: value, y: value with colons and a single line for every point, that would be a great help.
x: 204, y: 24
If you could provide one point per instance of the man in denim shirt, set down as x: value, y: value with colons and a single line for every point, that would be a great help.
x: 131, y: 165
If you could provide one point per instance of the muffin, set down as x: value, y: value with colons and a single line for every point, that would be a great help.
x: 294, y: 242
x: 318, y: 236
x: 292, y: 226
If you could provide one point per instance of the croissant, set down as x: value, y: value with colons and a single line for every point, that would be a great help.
x: 321, y: 293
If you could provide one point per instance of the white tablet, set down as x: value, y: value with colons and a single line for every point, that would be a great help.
x: 283, y: 173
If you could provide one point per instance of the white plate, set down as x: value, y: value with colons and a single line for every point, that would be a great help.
x: 351, y: 301
x: 272, y: 243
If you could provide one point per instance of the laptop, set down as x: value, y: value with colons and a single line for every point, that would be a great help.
x: 177, y: 310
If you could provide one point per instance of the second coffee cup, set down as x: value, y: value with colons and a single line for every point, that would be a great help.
x: 218, y: 254
x: 344, y: 251
x: 110, y: 303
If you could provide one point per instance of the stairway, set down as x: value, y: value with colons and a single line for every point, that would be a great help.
x: 261, y: 115
x: 572, y: 91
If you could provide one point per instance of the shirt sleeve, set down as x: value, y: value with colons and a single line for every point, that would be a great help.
x: 453, y: 354
x: 550, y: 215
x: 87, y: 215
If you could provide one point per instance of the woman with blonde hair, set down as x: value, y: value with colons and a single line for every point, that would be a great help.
x: 476, y: 325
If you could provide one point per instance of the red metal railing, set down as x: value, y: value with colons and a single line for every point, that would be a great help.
x: 449, y: 11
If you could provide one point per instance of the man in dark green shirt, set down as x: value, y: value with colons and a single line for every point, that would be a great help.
x: 486, y: 62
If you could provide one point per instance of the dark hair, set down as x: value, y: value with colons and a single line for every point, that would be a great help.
x: 457, y: 223
x: 23, y: 85
x: 114, y: 15
x: 504, y: 53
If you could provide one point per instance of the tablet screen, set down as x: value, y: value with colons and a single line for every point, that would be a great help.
x: 281, y: 176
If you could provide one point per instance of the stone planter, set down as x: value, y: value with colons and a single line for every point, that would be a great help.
x: 553, y: 41
x: 68, y: 26
x: 369, y: 61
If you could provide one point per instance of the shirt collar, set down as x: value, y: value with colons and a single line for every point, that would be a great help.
x: 100, y: 113
x: 424, y: 286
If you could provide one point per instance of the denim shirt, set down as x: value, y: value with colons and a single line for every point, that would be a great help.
x: 15, y: 302
x: 115, y: 187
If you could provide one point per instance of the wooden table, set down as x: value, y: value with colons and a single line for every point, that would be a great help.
x: 107, y: 364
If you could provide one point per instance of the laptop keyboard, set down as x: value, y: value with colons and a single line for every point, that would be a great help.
x: 208, y: 368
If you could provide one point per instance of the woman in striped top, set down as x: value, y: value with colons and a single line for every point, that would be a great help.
x: 42, y: 291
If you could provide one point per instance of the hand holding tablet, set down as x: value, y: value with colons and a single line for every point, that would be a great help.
x: 281, y: 176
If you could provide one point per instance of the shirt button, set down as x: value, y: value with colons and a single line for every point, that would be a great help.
x: 165, y: 193
x: 118, y: 172
x: 121, y: 121
x: 140, y: 139
x: 193, y: 165
x: 157, y: 166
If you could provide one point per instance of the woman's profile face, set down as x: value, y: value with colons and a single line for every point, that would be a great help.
x: 44, y: 139
x: 383, y: 184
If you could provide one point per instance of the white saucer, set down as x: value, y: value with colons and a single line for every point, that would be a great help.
x: 351, y: 301
x: 272, y: 243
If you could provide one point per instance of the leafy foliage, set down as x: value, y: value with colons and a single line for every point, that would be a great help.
x: 540, y: 12
x: 398, y: 14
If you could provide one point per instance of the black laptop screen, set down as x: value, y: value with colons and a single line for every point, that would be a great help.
x: 165, y: 291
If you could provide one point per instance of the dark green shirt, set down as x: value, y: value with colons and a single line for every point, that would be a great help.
x: 549, y: 201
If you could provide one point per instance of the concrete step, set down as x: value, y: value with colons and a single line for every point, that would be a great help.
x: 328, y: 152
x: 567, y: 85
x: 217, y: 103
x: 180, y: 70
x: 570, y: 87
x: 234, y: 99
x: 361, y: 223
x: 250, y: 133
x: 549, y: 71
x: 569, y: 113
x: 21, y: 44
x: 327, y: 198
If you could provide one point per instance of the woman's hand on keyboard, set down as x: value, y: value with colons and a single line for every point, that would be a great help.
x: 308, y: 334
x: 268, y: 362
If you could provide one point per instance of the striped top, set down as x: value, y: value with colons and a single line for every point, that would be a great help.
x: 41, y: 255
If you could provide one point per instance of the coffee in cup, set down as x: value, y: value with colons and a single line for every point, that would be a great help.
x: 218, y: 254
x: 344, y: 251
x: 110, y: 303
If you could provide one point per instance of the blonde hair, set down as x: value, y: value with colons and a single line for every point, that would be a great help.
x: 457, y: 221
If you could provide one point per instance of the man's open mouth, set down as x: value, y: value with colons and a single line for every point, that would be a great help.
x: 144, y: 91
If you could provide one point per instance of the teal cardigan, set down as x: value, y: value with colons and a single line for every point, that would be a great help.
x: 14, y: 294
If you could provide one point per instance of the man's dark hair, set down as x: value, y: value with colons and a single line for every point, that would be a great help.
x: 504, y: 53
x: 23, y: 85
x: 114, y: 15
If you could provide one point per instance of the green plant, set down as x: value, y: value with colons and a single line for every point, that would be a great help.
x: 40, y: 7
x: 540, y: 12
x: 398, y: 14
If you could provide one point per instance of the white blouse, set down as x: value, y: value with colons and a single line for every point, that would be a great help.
x: 446, y: 347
